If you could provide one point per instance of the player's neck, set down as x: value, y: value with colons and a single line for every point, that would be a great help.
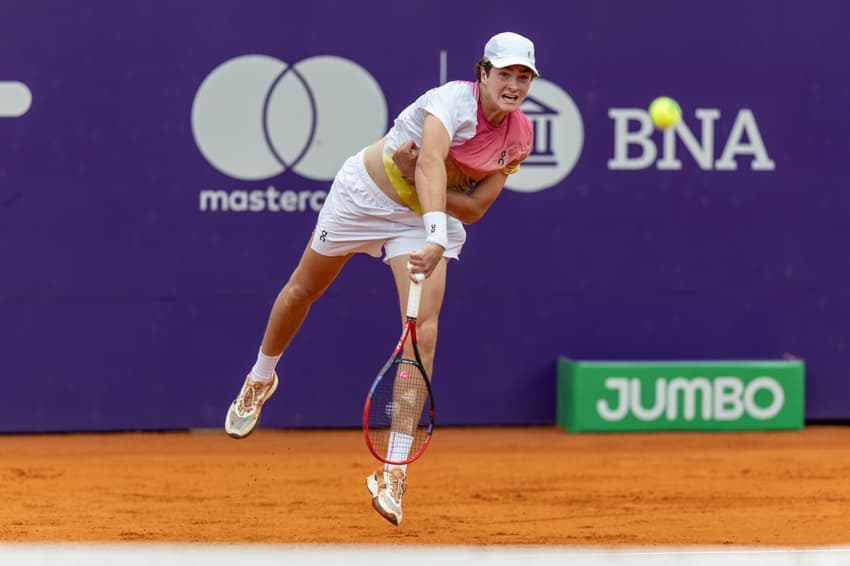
x: 490, y: 109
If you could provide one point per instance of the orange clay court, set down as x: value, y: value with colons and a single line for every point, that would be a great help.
x: 493, y: 486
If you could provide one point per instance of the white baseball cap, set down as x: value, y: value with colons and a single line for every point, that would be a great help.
x: 509, y: 48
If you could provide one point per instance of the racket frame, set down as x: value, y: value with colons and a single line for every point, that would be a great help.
x: 408, y: 332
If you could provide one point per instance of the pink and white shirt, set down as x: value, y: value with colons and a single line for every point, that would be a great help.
x: 478, y: 148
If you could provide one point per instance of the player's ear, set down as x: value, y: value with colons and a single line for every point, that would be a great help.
x: 481, y: 69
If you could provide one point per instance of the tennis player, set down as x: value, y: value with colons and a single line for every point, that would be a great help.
x: 407, y: 197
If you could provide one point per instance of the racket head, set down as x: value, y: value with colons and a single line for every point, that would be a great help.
x: 398, y: 416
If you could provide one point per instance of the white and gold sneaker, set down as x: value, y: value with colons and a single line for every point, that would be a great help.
x: 387, y: 487
x: 244, y: 412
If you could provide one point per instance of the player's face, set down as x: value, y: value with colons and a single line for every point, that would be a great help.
x: 507, y: 87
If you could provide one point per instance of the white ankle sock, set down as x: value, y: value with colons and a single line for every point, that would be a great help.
x: 264, y: 367
x: 398, y: 449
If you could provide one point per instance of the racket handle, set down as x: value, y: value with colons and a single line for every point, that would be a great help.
x: 414, y: 293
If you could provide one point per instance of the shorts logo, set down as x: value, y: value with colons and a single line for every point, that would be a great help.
x: 558, y: 138
x: 255, y: 116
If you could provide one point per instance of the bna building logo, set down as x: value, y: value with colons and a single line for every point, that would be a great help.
x: 558, y: 138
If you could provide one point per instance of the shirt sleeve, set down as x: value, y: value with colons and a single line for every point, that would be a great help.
x: 455, y: 106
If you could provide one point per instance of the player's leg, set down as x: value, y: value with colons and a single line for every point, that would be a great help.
x: 313, y: 275
x: 311, y: 278
x: 387, y: 485
x: 408, y: 394
x: 346, y: 225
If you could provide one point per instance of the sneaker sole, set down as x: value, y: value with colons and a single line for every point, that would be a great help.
x: 388, y: 516
x: 238, y: 436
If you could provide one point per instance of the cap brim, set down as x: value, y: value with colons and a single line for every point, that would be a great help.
x: 500, y: 62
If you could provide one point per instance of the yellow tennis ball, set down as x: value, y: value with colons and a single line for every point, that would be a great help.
x: 665, y: 112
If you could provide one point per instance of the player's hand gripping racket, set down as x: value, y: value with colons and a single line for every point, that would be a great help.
x: 398, y: 416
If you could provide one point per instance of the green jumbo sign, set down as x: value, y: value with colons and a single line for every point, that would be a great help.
x: 644, y: 396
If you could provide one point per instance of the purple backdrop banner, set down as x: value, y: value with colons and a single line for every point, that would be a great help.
x: 161, y: 166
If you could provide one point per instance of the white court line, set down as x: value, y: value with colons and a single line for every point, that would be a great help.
x: 132, y: 554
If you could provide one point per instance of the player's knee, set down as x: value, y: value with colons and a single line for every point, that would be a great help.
x: 426, y: 334
x: 295, y: 293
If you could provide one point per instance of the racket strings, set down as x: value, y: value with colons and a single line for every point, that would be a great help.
x: 399, y: 418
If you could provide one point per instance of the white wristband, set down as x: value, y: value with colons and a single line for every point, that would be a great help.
x: 436, y: 228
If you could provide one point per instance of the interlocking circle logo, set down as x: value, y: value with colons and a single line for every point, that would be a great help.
x: 558, y: 138
x: 254, y: 116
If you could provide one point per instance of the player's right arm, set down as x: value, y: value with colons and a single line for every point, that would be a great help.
x: 430, y: 171
x: 430, y: 182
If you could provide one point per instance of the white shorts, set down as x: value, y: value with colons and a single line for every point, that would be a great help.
x: 358, y: 217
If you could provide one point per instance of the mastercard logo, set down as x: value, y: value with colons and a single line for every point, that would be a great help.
x: 255, y: 116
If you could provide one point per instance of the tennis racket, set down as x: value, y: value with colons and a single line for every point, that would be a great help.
x: 398, y: 417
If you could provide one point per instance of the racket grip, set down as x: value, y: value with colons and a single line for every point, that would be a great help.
x: 414, y: 293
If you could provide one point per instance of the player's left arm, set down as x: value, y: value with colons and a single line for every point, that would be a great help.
x: 470, y: 206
